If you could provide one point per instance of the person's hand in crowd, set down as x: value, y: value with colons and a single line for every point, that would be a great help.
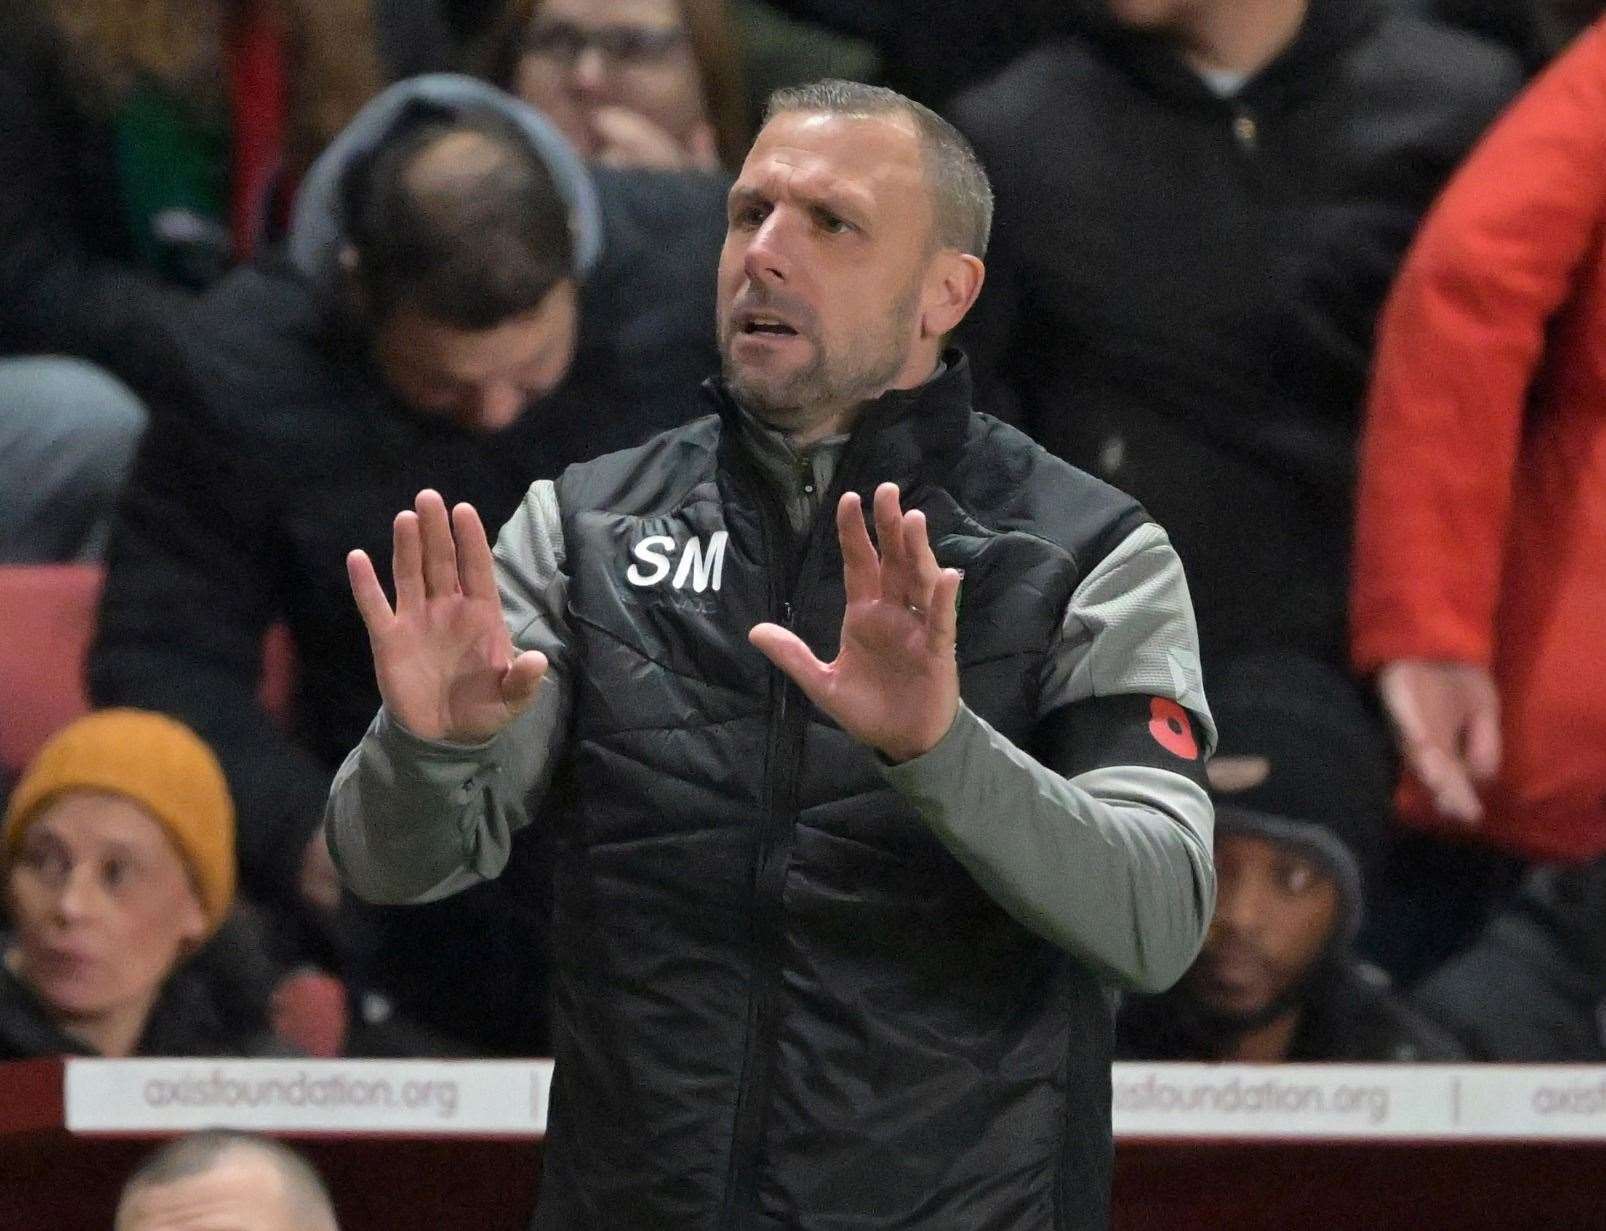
x: 446, y: 665
x: 894, y: 684
x: 318, y: 882
x: 1447, y: 717
x: 627, y: 138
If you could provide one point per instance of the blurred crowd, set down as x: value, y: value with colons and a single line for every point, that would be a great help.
x: 1320, y: 282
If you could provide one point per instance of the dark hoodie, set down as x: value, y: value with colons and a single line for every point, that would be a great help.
x: 284, y: 450
x: 1182, y: 286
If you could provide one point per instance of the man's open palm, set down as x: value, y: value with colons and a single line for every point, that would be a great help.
x: 894, y: 683
x: 443, y: 658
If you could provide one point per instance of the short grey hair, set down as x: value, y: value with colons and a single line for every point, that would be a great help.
x: 962, y: 195
x: 198, y: 1153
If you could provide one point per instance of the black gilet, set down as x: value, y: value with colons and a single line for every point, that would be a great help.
x: 779, y: 1000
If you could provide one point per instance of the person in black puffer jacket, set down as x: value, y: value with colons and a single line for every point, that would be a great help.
x: 833, y: 946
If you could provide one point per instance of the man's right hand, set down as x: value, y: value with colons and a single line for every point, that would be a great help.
x: 1447, y: 716
x: 445, y: 663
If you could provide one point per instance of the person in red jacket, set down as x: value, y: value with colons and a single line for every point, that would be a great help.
x: 1479, y: 584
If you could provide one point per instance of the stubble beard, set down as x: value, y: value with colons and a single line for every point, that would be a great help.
x: 828, y: 384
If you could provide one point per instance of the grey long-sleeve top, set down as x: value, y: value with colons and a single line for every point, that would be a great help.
x: 1113, y: 865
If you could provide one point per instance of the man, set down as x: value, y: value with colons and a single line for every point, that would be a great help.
x: 1200, y: 206
x: 832, y: 941
x: 1301, y: 780
x: 225, y: 1179
x: 463, y: 310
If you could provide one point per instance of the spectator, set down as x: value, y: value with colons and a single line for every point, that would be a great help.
x: 1480, y: 562
x: 1199, y: 208
x: 1301, y: 779
x: 1532, y: 989
x: 225, y: 1179
x: 118, y: 861
x: 630, y: 83
x: 140, y: 152
x: 423, y: 336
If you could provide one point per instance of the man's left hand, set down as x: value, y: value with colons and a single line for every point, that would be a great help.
x: 894, y: 684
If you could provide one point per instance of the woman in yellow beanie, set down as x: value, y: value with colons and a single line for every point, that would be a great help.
x: 118, y: 862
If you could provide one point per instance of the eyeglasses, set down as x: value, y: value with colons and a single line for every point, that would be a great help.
x: 563, y: 42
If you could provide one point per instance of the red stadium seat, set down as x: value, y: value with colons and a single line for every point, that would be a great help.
x: 47, y: 619
x: 47, y: 616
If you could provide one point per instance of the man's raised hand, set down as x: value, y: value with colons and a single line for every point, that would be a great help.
x: 894, y: 684
x: 445, y: 663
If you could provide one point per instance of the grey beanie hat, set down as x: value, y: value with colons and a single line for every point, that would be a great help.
x: 318, y: 222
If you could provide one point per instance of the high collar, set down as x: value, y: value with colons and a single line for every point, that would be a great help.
x: 895, y: 436
x: 1297, y: 71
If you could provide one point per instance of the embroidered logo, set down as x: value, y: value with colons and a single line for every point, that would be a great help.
x: 698, y: 567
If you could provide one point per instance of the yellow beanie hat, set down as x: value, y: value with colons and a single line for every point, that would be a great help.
x: 158, y: 763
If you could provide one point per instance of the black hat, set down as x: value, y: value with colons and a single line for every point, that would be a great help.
x: 1303, y: 761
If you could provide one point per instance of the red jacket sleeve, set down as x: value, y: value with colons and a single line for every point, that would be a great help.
x: 1459, y: 343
